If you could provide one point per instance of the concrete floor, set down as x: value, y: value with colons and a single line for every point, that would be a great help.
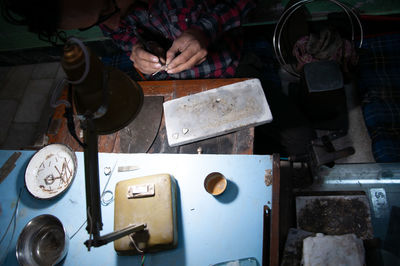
x: 357, y: 135
x: 24, y: 103
x: 25, y: 112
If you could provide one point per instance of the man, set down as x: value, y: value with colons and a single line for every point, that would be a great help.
x: 187, y: 38
x: 200, y: 35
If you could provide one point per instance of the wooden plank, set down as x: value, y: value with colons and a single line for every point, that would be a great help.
x: 274, y: 241
x: 183, y: 87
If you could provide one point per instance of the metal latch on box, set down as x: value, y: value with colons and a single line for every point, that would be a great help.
x: 140, y: 191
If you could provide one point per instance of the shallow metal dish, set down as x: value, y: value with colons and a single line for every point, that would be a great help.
x: 50, y: 171
x: 42, y: 242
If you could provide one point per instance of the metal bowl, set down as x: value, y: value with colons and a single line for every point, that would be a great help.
x: 43, y: 241
x: 50, y: 171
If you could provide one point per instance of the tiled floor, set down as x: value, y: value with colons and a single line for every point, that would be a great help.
x: 24, y: 103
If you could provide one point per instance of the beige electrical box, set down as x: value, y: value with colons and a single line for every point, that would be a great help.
x: 149, y: 200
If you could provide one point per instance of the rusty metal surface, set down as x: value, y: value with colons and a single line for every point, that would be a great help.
x: 335, y: 215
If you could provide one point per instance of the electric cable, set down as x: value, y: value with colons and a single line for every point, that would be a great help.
x: 13, y: 218
x: 80, y: 227
x: 61, y: 83
x: 104, y: 201
x: 134, y: 244
x: 90, y: 229
x: 87, y: 60
x: 143, y: 257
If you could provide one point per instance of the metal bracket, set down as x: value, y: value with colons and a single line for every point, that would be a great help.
x: 140, y: 191
x: 102, y: 240
x: 322, y: 152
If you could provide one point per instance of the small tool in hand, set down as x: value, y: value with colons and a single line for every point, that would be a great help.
x: 151, y: 47
x: 162, y: 68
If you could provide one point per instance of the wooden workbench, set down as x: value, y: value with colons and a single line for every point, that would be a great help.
x: 240, y: 142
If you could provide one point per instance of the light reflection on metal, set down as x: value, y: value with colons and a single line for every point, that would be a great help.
x: 276, y: 39
x: 361, y: 181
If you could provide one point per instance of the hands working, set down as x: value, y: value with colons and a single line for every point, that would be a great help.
x: 146, y: 62
x: 187, y: 50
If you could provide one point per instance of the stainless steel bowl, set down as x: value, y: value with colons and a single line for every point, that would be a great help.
x: 43, y: 241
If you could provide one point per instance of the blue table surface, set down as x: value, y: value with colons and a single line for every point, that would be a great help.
x: 210, y: 229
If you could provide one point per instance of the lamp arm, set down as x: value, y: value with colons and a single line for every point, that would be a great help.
x: 92, y: 183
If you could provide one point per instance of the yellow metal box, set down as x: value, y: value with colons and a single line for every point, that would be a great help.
x: 150, y: 200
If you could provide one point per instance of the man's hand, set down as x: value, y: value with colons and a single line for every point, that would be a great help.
x: 188, y: 50
x: 146, y: 62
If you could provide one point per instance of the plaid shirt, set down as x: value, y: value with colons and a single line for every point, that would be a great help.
x: 218, y: 19
x: 379, y: 83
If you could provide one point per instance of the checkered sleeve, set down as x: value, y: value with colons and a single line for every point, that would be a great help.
x: 221, y: 16
x: 379, y: 83
x: 124, y: 37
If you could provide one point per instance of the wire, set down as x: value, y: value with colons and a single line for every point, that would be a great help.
x: 61, y: 83
x: 142, y: 259
x: 87, y: 60
x: 90, y: 228
x: 105, y: 202
x: 276, y: 39
x: 13, y: 218
x: 78, y: 229
x: 56, y: 94
x: 134, y: 244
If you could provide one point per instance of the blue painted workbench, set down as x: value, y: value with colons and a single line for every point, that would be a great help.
x: 211, y: 229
